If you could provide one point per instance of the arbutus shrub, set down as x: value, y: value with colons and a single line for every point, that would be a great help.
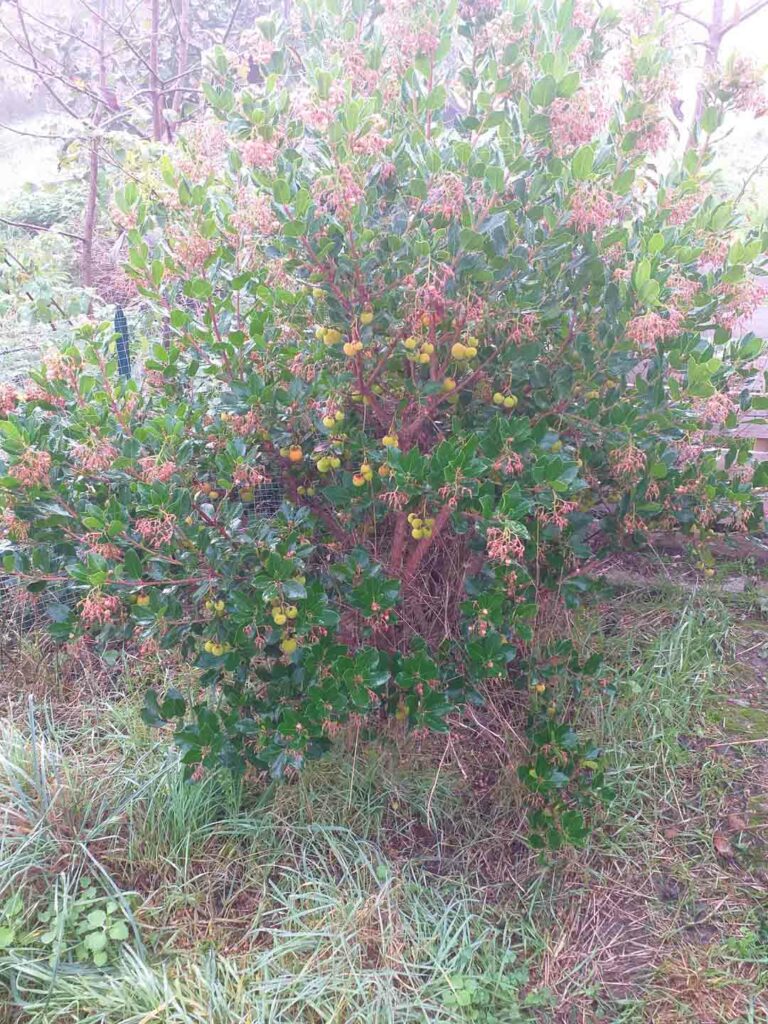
x: 417, y: 270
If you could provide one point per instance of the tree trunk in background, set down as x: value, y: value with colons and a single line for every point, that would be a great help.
x: 185, y: 18
x: 92, y: 200
x: 157, y: 96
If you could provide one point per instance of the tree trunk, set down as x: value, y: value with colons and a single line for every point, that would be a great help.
x: 715, y: 33
x: 185, y: 19
x: 154, y: 84
x: 92, y: 200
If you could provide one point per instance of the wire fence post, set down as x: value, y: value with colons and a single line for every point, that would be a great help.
x: 122, y: 340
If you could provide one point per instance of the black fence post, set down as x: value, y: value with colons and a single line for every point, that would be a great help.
x: 122, y: 339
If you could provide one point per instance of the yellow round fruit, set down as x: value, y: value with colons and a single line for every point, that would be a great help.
x: 143, y: 600
x: 280, y: 619
x: 208, y: 646
x: 471, y: 352
x: 498, y: 398
x: 323, y: 465
x: 217, y: 650
x: 389, y: 441
x: 556, y: 446
x: 329, y: 421
x: 428, y: 347
x: 331, y: 336
x: 358, y: 480
x: 318, y: 293
x: 339, y: 416
x: 349, y: 348
x: 411, y: 343
x: 510, y: 402
x: 320, y: 333
x: 449, y: 384
x: 300, y: 579
x: 310, y: 491
x: 417, y: 533
x: 289, y: 645
x: 291, y: 611
x: 295, y: 454
x: 213, y: 495
x: 426, y: 533
x: 384, y: 471
x: 592, y: 394
x: 425, y: 320
x: 423, y: 358
x: 540, y: 687
x: 366, y: 317
x: 458, y: 351
x: 453, y: 399
x: 219, y: 606
x: 335, y: 462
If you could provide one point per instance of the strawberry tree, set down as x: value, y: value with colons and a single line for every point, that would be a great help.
x: 415, y: 267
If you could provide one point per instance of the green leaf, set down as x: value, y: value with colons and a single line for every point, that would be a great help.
x: 281, y: 191
x: 583, y: 162
x: 544, y: 91
x: 95, y: 941
x: 119, y: 931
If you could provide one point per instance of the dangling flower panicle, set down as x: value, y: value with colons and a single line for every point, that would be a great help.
x: 156, y: 532
x: 33, y: 468
x: 503, y: 546
x: 98, y: 609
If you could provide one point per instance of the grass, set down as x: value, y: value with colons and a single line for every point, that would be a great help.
x: 391, y: 882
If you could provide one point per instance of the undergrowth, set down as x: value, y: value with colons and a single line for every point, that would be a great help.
x: 390, y: 882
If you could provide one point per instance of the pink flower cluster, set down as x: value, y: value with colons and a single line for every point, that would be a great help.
x: 259, y: 152
x: 648, y: 329
x: 717, y: 408
x: 245, y: 423
x: 12, y: 526
x: 557, y: 515
x: 339, y: 194
x: 156, y: 532
x: 681, y: 206
x: 248, y: 476
x: 740, y: 302
x: 206, y: 148
x: 314, y: 113
x: 683, y: 289
x: 33, y: 468
x: 446, y: 196
x: 254, y: 214
x: 190, y: 248
x: 9, y: 398
x: 98, y: 609
x: 628, y: 463
x: 593, y: 208
x: 524, y: 328
x: 744, y: 80
x: 409, y: 33
x: 154, y: 472
x: 95, y: 457
x: 503, y: 546
x: 510, y: 464
x: 98, y: 546
x: 577, y: 120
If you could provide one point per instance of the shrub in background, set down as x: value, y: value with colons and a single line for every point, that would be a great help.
x: 417, y: 268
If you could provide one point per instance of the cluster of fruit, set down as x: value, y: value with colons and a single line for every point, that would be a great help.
x: 305, y: 491
x: 461, y: 352
x: 425, y: 350
x: 209, y: 491
x: 421, y: 529
x: 281, y: 613
x: 328, y: 335
x: 390, y: 441
x: 327, y: 462
x: 333, y: 419
x: 215, y: 607
x: 215, y: 649
x: 293, y: 454
x: 363, y: 476
x: 351, y: 348
x: 508, y: 401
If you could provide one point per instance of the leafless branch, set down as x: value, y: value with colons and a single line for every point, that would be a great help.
x: 741, y: 16
x: 39, y: 227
